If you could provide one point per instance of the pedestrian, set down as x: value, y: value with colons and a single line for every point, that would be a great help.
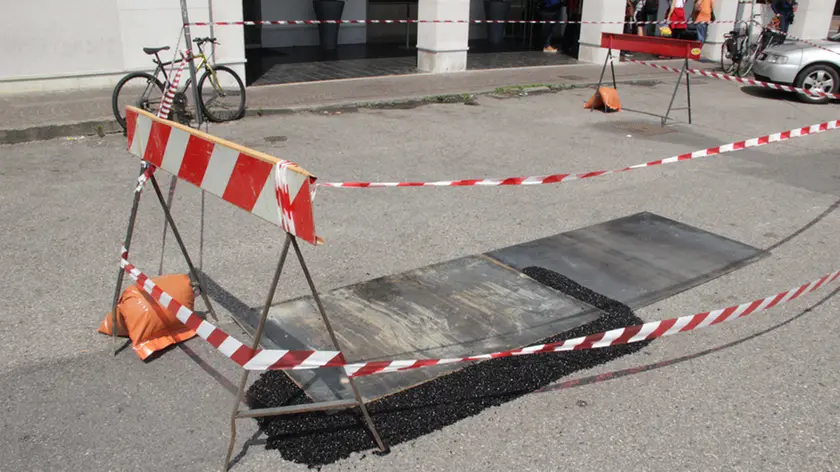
x: 704, y: 10
x: 629, y: 16
x: 555, y: 7
x: 644, y: 10
x: 676, y: 18
x: 784, y: 10
x: 571, y: 34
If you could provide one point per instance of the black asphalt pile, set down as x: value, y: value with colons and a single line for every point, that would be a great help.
x: 321, y: 438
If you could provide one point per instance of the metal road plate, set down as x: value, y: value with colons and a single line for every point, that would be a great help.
x: 471, y: 305
x: 636, y: 260
x: 479, y: 304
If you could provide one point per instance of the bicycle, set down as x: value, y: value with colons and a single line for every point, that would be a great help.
x: 770, y: 36
x: 735, y: 48
x: 738, y: 53
x: 223, y: 83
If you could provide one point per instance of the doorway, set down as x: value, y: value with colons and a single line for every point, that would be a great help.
x: 292, y: 53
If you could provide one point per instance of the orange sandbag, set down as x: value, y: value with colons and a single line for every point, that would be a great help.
x: 605, y: 98
x: 149, y: 325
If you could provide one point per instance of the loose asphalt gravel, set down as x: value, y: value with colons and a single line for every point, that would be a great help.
x: 757, y: 394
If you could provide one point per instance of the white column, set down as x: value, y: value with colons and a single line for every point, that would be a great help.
x: 590, y: 35
x: 725, y: 10
x: 812, y: 20
x: 442, y: 47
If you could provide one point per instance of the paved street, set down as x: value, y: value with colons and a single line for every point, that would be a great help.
x: 757, y: 394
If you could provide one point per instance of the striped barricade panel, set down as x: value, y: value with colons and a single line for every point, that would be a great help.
x: 276, y: 190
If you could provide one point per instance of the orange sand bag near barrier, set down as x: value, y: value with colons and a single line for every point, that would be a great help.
x: 149, y: 325
x: 605, y: 98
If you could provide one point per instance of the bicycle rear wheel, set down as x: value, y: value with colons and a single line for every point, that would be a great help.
x: 222, y: 95
x: 727, y: 52
x: 139, y: 89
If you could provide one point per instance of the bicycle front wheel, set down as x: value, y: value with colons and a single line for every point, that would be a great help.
x: 222, y: 95
x: 139, y: 89
x: 727, y: 51
x: 748, y: 61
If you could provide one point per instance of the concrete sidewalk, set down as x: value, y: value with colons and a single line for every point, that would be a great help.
x: 33, y: 117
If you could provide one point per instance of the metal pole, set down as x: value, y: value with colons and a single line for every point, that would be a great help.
x: 256, y: 344
x: 323, y: 312
x: 212, y: 32
x: 182, y: 246
x: 170, y: 196
x: 201, y: 236
x: 601, y: 78
x: 674, y: 95
x: 688, y: 91
x: 198, y: 115
x: 407, y: 25
x: 750, y: 27
x: 127, y: 244
x: 185, y: 18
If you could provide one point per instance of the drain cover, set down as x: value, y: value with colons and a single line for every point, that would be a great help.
x: 642, y: 128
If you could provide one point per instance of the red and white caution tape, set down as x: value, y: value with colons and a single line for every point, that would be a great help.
x: 479, y: 21
x: 163, y: 112
x: 627, y: 335
x: 758, y: 83
x: 413, y: 22
x: 809, y: 43
x: 280, y: 359
x: 557, y: 178
x: 166, y: 103
x: 274, y: 359
x: 793, y: 38
x: 518, y: 22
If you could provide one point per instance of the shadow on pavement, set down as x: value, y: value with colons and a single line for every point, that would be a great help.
x: 771, y: 94
x: 616, y: 374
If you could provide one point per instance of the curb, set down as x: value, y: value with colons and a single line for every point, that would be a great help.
x: 103, y: 127
x: 41, y: 133
x: 468, y: 98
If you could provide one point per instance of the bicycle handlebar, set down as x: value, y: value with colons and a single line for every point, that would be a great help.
x: 201, y: 41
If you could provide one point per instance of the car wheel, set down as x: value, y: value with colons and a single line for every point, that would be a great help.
x: 819, y: 77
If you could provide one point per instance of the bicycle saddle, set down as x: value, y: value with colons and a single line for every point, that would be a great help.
x: 151, y: 51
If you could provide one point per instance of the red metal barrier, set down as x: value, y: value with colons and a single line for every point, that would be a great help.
x: 675, y: 48
x: 679, y: 48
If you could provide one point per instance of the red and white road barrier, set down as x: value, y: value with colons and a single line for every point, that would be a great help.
x: 240, y: 176
x: 557, y: 178
x: 758, y: 83
x: 280, y: 359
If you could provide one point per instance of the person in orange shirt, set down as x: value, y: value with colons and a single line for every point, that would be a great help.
x: 703, y: 11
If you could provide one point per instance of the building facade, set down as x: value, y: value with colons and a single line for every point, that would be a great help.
x: 57, y: 46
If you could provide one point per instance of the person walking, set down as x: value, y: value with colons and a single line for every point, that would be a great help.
x: 676, y: 18
x: 704, y: 10
x: 784, y: 10
x: 555, y: 7
x: 643, y: 9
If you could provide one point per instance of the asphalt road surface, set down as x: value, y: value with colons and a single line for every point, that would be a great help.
x: 757, y: 394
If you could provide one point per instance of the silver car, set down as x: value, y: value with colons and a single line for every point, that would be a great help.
x: 802, y: 65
